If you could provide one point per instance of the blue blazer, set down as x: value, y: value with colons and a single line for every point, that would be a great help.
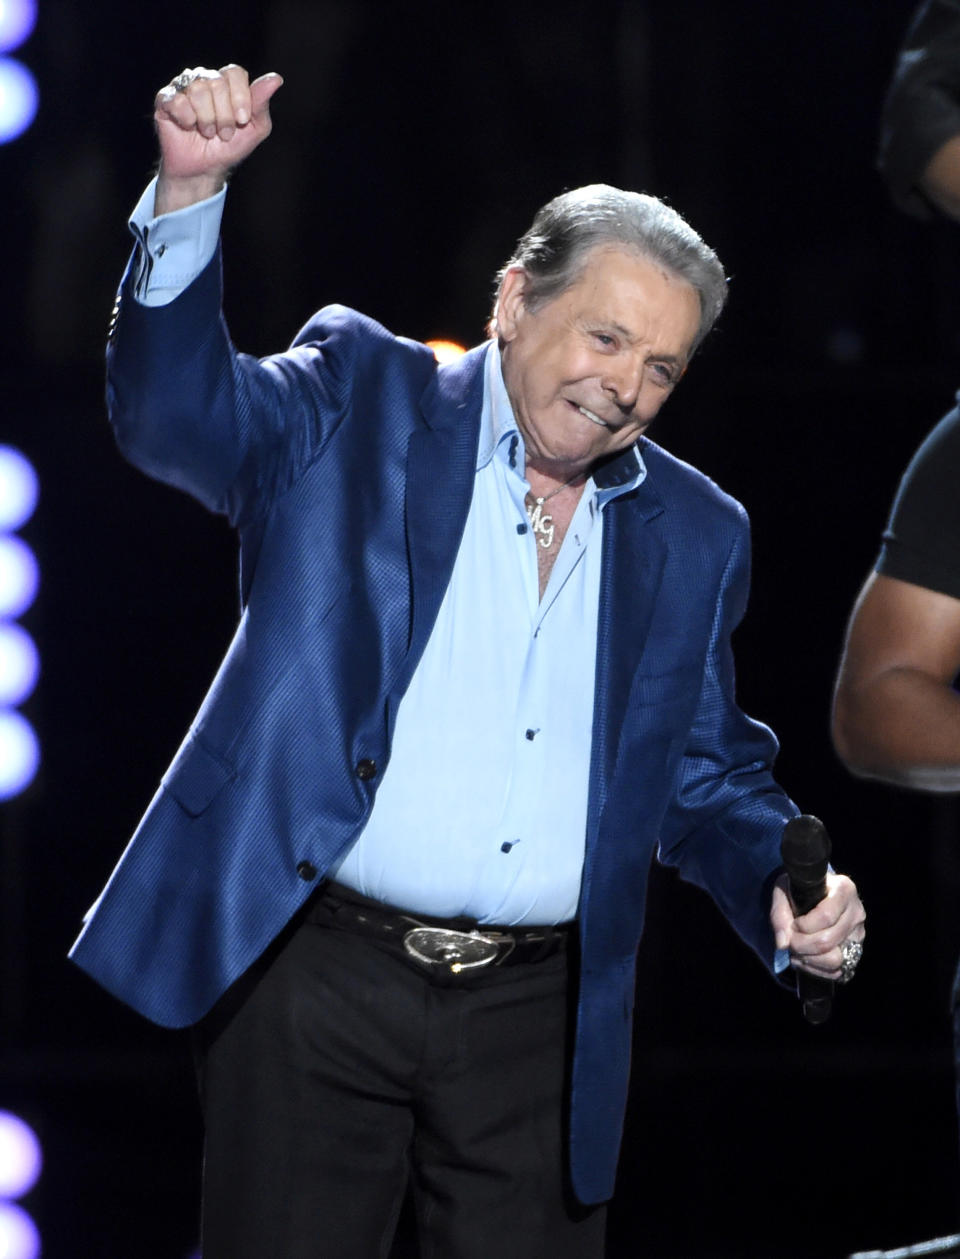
x: 347, y: 465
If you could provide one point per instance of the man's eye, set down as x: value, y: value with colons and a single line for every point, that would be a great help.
x: 665, y: 375
x: 604, y: 338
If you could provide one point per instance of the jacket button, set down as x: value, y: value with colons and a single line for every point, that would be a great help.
x: 366, y: 769
x: 306, y: 871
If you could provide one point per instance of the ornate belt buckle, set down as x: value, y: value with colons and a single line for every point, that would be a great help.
x: 459, y: 950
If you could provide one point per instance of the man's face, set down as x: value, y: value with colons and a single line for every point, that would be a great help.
x: 587, y: 372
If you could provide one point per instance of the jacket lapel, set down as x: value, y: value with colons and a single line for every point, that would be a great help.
x: 441, y: 467
x: 633, y: 559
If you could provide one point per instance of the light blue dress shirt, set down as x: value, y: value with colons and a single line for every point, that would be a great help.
x: 175, y: 247
x: 482, y: 809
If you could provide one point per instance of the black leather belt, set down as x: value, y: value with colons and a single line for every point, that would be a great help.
x: 450, y: 945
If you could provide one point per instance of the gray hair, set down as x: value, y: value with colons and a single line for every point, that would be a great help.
x: 554, y: 249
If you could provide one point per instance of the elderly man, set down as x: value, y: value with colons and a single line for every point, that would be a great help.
x: 396, y: 872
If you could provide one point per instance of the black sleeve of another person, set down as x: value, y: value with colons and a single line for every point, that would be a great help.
x: 922, y: 107
x: 921, y: 543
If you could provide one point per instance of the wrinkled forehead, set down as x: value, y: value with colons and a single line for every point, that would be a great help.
x: 638, y: 293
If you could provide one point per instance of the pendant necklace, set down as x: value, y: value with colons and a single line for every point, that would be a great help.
x: 540, y: 523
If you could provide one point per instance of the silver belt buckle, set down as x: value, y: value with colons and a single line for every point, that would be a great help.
x: 459, y: 950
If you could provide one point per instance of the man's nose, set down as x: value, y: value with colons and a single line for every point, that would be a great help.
x: 623, y: 382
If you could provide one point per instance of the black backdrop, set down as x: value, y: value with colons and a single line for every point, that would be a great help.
x: 412, y: 144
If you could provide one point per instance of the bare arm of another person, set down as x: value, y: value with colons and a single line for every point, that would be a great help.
x: 896, y: 715
x: 941, y: 178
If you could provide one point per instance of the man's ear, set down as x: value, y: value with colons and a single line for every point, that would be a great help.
x: 510, y: 302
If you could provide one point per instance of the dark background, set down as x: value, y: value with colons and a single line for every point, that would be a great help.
x: 412, y: 144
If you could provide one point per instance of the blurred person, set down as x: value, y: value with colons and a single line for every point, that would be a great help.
x: 920, y: 123
x: 896, y: 714
x: 395, y: 875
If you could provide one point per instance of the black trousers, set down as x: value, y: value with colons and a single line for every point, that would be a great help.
x: 336, y: 1073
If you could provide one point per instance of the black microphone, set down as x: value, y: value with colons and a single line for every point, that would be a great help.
x: 805, y: 851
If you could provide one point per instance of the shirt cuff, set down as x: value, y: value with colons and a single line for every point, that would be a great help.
x: 172, y: 249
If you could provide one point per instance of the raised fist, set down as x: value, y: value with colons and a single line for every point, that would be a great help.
x: 207, y: 122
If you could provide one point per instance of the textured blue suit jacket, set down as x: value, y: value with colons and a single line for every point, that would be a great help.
x: 347, y: 466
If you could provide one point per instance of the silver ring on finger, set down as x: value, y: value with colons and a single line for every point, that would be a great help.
x: 851, y: 952
x: 183, y: 80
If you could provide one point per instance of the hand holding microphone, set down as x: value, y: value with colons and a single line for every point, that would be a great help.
x: 827, y: 949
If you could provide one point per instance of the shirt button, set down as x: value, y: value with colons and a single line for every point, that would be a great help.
x: 366, y: 769
x: 307, y: 871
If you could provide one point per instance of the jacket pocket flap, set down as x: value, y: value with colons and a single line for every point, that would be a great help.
x: 195, y: 776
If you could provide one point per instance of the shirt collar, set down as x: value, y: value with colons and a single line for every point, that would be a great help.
x: 498, y: 428
x: 499, y: 434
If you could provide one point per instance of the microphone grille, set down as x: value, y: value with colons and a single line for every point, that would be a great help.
x: 805, y: 843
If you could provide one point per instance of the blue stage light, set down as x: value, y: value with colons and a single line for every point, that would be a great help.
x: 19, y: 1238
x: 21, y: 1158
x: 19, y: 99
x: 19, y: 756
x: 19, y: 667
x: 17, y: 20
x: 21, y: 1161
x: 18, y: 487
x: 19, y: 576
x: 19, y: 658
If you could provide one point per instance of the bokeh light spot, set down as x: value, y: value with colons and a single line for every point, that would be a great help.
x: 19, y: 577
x: 18, y: 488
x: 446, y: 351
x: 19, y: 1238
x: 19, y: 670
x: 20, y: 1157
x: 19, y: 99
x: 19, y: 760
x: 17, y: 20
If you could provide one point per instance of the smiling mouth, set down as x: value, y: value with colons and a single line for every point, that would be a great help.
x: 590, y: 416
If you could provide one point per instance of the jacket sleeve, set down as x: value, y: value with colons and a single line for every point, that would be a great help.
x: 232, y: 430
x: 722, y: 830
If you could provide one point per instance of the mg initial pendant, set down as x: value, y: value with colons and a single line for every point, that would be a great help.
x: 540, y: 523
